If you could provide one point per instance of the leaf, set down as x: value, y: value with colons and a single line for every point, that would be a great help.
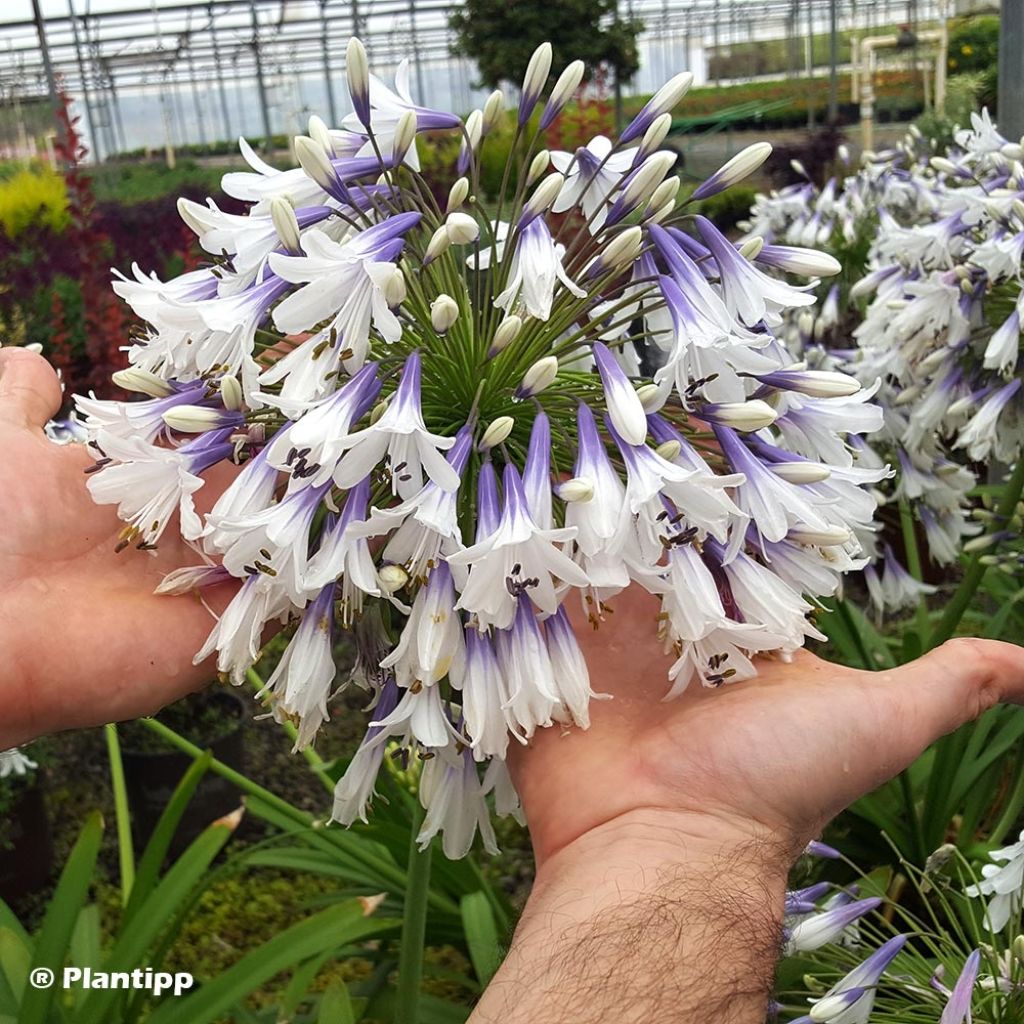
x: 299, y: 985
x: 15, y: 958
x: 327, y: 930
x: 51, y: 947
x: 336, y: 1006
x: 481, y: 935
x: 152, y: 917
x: 86, y: 940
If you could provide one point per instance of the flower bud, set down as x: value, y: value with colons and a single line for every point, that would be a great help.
x: 395, y: 289
x: 444, y: 311
x: 752, y: 415
x: 623, y: 248
x: 314, y: 161
x: 827, y: 537
x: 543, y: 195
x: 496, y: 433
x: 197, y: 419
x: 662, y: 102
x: 457, y: 195
x: 800, y: 472
x: 231, y: 393
x: 405, y: 136
x: 320, y: 133
x: 843, y: 152
x: 568, y: 82
x: 282, y: 214
x: 507, y: 332
x: 734, y: 170
x: 378, y: 410
x: 805, y: 323
x: 751, y: 247
x: 534, y: 80
x: 462, y: 228
x: 494, y: 107
x: 357, y: 71
x: 579, y: 488
x: 392, y: 578
x: 438, y: 244
x: 538, y: 165
x: 796, y: 260
x: 940, y: 163
x: 646, y: 179
x: 141, y: 381
x: 651, y: 397
x: 669, y: 450
x: 537, y: 377
x: 654, y: 136
x: 666, y: 192
x: 660, y: 213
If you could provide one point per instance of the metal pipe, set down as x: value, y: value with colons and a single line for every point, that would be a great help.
x: 332, y: 107
x: 90, y: 119
x: 261, y: 86
x: 220, y: 77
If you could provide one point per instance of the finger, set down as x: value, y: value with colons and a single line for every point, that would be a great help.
x: 949, y: 686
x: 30, y: 391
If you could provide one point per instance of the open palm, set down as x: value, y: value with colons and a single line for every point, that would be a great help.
x: 87, y: 639
x: 779, y: 754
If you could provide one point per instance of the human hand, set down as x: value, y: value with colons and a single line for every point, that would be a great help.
x: 86, y: 641
x: 664, y: 833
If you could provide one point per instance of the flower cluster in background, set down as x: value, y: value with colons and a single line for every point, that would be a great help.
x: 932, y: 310
x: 442, y: 436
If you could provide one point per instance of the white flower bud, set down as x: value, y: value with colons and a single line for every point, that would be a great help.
x: 439, y: 242
x: 669, y: 450
x: 659, y: 214
x: 734, y: 170
x: 474, y: 130
x: 666, y: 192
x: 824, y: 538
x: 940, y: 163
x: 669, y: 95
x: 395, y: 289
x: 193, y: 419
x: 392, y: 578
x: 655, y: 135
x: 568, y: 82
x: 507, y: 332
x: 806, y: 262
x: 579, y: 488
x: 494, y: 107
x: 231, y: 393
x: 805, y: 322
x: 405, y: 135
x: 537, y: 72
x: 544, y: 195
x: 457, y: 195
x: 538, y: 165
x: 843, y: 152
x: 462, y: 228
x: 799, y: 168
x: 650, y: 175
x: 496, y: 432
x: 319, y: 132
x: 444, y: 311
x: 357, y: 71
x: 825, y: 384
x: 800, y: 472
x: 282, y: 213
x: 141, y: 381
x: 539, y: 376
x: 623, y: 248
x: 651, y: 397
x: 986, y: 540
x: 752, y: 247
x: 752, y: 415
x: 314, y: 161
x: 960, y: 406
x: 378, y: 410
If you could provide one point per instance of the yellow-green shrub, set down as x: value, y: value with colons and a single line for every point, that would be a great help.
x: 33, y: 196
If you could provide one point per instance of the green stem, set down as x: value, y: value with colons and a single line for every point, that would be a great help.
x: 414, y: 926
x: 914, y: 565
x: 125, y: 850
x: 976, y: 569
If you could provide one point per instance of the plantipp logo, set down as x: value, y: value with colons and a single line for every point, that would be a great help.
x: 141, y: 979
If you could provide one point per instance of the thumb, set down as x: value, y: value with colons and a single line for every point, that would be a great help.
x: 949, y: 686
x: 30, y: 391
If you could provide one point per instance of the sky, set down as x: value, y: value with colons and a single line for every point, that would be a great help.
x: 19, y: 10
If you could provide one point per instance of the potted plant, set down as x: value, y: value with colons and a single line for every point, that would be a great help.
x: 212, y: 720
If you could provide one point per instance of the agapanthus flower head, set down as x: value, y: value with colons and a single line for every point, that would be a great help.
x: 442, y: 437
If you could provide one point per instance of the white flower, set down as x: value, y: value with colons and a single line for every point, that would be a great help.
x: 535, y: 272
x: 1005, y: 884
x: 592, y: 175
x: 14, y: 762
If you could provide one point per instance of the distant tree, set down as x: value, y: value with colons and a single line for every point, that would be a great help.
x: 500, y: 35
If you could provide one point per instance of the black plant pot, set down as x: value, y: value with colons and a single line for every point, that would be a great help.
x: 152, y: 776
x: 27, y: 861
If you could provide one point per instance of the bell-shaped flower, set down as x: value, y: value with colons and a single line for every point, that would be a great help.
x: 483, y: 697
x: 143, y: 420
x: 536, y: 271
x: 1004, y: 883
x: 592, y: 175
x: 402, y: 437
x: 456, y: 804
x: 518, y: 559
x: 817, y: 930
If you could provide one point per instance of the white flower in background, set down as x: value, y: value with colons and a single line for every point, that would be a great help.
x: 15, y: 762
x: 1003, y: 883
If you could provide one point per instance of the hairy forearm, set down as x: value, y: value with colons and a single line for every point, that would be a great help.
x: 654, y: 917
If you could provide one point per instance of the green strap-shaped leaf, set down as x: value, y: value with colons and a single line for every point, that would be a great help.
x: 51, y: 948
x: 336, y: 1006
x: 15, y: 958
x: 326, y: 930
x: 481, y: 935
